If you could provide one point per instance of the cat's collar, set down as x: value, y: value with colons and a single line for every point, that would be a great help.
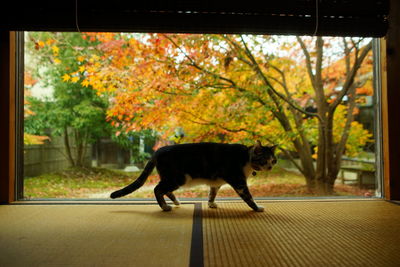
x: 253, y: 166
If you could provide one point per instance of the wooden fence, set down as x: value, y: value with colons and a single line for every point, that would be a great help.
x: 49, y: 157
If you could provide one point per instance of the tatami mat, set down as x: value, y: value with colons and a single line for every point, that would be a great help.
x: 95, y: 235
x: 303, y: 233
x: 288, y: 233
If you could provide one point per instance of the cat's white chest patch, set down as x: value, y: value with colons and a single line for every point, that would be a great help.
x: 202, y: 181
x: 247, y: 170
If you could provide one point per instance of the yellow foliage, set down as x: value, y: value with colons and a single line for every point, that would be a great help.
x: 30, y: 139
x: 85, y: 83
x: 66, y: 77
x: 194, y: 88
x: 55, y: 50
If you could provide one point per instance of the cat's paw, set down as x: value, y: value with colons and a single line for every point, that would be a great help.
x: 259, y: 209
x: 176, y: 202
x: 166, y: 207
x: 212, y: 205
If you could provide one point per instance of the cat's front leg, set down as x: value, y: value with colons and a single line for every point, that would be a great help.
x: 244, y: 193
x: 211, y: 197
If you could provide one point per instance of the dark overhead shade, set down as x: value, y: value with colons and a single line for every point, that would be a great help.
x: 299, y: 17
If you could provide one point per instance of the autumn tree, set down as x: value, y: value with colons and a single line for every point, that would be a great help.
x: 73, y: 110
x: 232, y: 88
x: 328, y: 97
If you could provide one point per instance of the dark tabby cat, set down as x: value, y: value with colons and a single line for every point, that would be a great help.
x: 204, y: 163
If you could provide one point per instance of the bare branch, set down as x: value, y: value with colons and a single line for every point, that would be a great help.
x: 347, y: 54
x: 346, y: 129
x: 350, y: 77
x: 308, y: 60
x: 195, y: 65
x: 283, y: 82
x: 238, y: 49
x: 211, y: 123
x: 270, y: 87
x: 172, y: 93
x: 290, y: 157
x: 318, y: 65
x: 218, y: 76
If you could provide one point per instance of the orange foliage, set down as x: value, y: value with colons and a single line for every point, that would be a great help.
x: 28, y: 79
x: 200, y: 83
x: 335, y: 74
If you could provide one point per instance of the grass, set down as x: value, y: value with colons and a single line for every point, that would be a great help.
x: 99, y: 183
x: 74, y: 183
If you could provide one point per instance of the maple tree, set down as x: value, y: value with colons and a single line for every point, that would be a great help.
x: 230, y: 88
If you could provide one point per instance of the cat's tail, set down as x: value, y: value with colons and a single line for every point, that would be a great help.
x: 137, y: 183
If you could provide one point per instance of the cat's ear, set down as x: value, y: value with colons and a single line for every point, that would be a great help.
x: 258, y: 147
x: 273, y: 148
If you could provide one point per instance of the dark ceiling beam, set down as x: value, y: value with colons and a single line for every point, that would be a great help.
x: 335, y: 17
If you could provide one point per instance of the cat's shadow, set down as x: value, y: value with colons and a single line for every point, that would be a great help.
x: 176, y: 213
x: 207, y: 213
x: 245, y: 214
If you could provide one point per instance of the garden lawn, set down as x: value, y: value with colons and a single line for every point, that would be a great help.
x: 99, y: 183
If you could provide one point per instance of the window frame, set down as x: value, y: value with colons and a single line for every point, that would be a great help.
x: 19, y: 128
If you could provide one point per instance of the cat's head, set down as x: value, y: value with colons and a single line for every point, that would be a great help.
x: 262, y: 157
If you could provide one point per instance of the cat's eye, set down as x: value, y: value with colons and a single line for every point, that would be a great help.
x: 274, y: 161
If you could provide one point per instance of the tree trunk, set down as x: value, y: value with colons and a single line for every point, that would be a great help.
x: 79, y: 155
x: 80, y: 140
x: 68, y: 148
x: 308, y: 169
x: 325, y: 186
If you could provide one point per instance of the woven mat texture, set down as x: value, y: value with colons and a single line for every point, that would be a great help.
x: 303, y: 233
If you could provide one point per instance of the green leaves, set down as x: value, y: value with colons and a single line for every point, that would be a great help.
x: 59, y: 61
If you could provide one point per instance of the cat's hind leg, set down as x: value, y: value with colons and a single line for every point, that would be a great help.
x: 160, y: 190
x: 212, y: 195
x: 173, y: 198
